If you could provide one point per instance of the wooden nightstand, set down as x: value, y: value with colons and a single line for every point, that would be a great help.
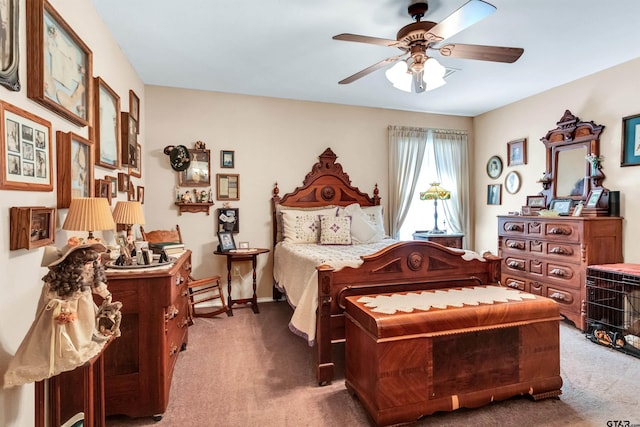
x: 451, y: 240
x: 237, y: 255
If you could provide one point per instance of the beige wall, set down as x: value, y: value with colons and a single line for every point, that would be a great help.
x: 604, y: 98
x: 21, y: 273
x: 274, y: 140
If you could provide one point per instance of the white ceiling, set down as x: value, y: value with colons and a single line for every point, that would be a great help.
x: 284, y: 49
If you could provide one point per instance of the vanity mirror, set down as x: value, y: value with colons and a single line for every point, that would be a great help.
x: 569, y: 174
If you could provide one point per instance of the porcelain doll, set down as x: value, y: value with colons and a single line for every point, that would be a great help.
x: 69, y: 329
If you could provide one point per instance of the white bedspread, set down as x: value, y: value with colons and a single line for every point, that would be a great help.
x: 294, y: 270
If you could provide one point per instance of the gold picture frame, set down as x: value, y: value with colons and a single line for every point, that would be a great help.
x: 74, y: 159
x: 26, y: 151
x: 52, y: 81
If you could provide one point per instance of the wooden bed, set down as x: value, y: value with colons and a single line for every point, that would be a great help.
x: 403, y: 266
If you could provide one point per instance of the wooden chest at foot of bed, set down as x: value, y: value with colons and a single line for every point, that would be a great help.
x: 432, y: 351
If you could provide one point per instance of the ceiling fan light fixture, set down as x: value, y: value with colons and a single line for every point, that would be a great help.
x: 400, y: 76
x: 431, y: 73
x: 434, y: 74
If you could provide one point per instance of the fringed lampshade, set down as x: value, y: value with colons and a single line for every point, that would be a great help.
x: 435, y: 193
x: 89, y: 214
x: 128, y: 213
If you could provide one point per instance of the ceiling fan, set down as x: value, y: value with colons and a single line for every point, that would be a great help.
x: 414, y: 67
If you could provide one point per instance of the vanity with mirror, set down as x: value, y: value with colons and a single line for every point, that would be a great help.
x: 569, y: 174
x: 549, y: 255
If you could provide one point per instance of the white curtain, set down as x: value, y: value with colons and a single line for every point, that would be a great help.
x: 452, y: 166
x: 406, y: 152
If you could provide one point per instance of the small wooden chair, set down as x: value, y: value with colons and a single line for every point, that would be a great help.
x: 200, y: 290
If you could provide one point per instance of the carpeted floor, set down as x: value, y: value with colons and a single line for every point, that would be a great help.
x: 250, y: 370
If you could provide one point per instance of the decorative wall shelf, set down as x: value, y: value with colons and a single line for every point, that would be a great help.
x: 194, y: 207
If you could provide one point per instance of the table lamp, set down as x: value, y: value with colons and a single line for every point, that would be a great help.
x: 89, y: 214
x: 127, y: 214
x: 435, y: 193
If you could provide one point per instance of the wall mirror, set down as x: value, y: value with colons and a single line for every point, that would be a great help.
x: 567, y: 167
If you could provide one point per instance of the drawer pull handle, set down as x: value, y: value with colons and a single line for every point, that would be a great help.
x: 172, y: 312
x: 513, y: 285
x: 558, y: 272
x: 558, y: 296
x: 560, y: 231
x: 515, y: 264
x: 513, y: 227
x: 558, y: 250
x: 516, y: 245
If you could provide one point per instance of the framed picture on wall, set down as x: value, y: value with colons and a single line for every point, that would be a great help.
x: 103, y: 189
x: 494, y: 167
x: 136, y: 168
x: 517, y: 152
x: 228, y: 187
x: 134, y: 108
x: 59, y: 63
x: 198, y: 174
x: 494, y: 194
x: 229, y: 219
x: 10, y: 50
x: 107, y: 125
x: 227, y: 159
x: 75, y: 167
x: 630, y: 141
x: 26, y: 150
x: 128, y: 140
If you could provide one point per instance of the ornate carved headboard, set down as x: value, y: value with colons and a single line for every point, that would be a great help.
x: 326, y: 184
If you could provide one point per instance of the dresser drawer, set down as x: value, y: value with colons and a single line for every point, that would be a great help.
x: 512, y: 227
x: 564, y: 231
x: 514, y: 283
x: 561, y: 296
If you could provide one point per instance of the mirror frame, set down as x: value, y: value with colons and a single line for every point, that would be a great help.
x: 570, y: 134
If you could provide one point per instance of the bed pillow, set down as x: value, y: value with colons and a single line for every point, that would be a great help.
x: 303, y: 226
x: 335, y: 230
x: 375, y: 215
x: 363, y: 228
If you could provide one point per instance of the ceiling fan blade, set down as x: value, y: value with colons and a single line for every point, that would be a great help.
x: 465, y: 16
x: 370, y: 69
x: 370, y: 40
x: 482, y: 53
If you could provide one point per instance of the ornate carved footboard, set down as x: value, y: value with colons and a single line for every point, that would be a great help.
x: 404, y: 266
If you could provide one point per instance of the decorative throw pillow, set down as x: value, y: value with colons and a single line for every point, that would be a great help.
x: 335, y: 230
x: 303, y: 226
x: 324, y: 210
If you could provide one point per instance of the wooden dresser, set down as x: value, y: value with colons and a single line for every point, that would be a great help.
x: 138, y: 366
x: 549, y: 256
